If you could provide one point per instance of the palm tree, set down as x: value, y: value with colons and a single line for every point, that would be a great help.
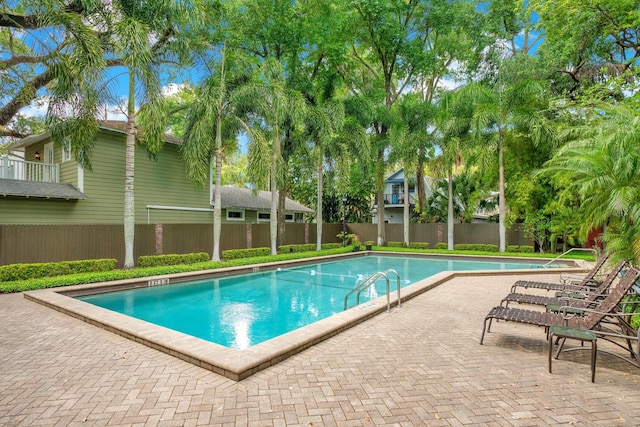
x: 452, y: 124
x: 600, y: 166
x: 212, y: 127
x: 146, y: 36
x: 501, y: 111
x: 273, y: 104
x: 408, y: 135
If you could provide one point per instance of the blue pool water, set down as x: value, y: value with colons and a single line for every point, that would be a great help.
x: 244, y: 310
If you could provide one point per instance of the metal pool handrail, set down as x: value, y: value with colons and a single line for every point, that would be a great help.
x: 595, y: 253
x: 370, y: 281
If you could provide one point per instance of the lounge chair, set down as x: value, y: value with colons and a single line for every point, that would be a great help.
x: 566, y: 285
x: 585, y: 296
x: 590, y: 320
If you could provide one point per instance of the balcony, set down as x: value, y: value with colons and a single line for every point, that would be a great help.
x: 22, y: 170
x: 396, y: 199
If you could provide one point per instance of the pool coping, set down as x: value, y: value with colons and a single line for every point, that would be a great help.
x: 232, y: 363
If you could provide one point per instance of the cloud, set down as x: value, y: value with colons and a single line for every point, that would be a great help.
x: 172, y: 88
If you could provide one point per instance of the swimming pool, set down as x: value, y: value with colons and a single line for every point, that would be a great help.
x: 244, y: 310
x: 239, y: 364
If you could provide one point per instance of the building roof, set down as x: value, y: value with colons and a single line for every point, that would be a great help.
x: 242, y: 198
x: 44, y: 190
x: 110, y: 125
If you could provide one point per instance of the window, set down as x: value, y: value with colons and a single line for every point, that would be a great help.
x: 264, y: 216
x: 288, y: 217
x: 412, y: 188
x: 235, y: 215
x: 66, y: 151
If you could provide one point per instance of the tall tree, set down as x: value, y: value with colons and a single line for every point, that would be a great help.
x: 275, y: 31
x: 148, y: 35
x: 399, y: 45
x: 510, y: 105
x: 452, y: 119
x: 408, y: 135
x: 273, y: 104
x: 212, y: 127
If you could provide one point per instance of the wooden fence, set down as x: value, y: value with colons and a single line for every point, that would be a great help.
x: 46, y: 243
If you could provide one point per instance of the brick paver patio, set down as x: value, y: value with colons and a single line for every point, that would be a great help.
x: 420, y: 365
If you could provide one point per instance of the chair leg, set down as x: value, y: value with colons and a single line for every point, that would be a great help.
x: 594, y: 354
x: 550, y: 350
x: 485, y: 328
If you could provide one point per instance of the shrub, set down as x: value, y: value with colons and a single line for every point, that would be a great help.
x: 520, y: 249
x: 245, y: 253
x: 369, y: 243
x: 441, y: 246
x: 475, y: 247
x: 331, y: 245
x: 172, y: 259
x: 395, y: 244
x: 13, y: 272
x: 419, y: 245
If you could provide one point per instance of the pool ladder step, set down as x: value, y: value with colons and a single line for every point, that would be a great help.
x: 370, y: 281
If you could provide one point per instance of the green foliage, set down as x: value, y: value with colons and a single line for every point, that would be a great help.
x: 419, y: 245
x: 475, y: 247
x: 308, y: 247
x: 536, y: 227
x: 441, y: 246
x: 516, y: 249
x: 231, y: 254
x: 172, y: 259
x: 599, y: 167
x: 395, y: 244
x: 14, y: 272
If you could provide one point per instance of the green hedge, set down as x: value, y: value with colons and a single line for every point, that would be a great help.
x: 13, y: 272
x: 284, y: 249
x: 419, y: 245
x: 331, y: 245
x: 395, y: 244
x: 172, y: 259
x: 245, y: 253
x: 520, y: 249
x: 475, y: 247
x: 441, y: 246
x: 308, y: 247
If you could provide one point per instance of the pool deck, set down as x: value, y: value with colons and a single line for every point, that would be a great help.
x: 418, y: 365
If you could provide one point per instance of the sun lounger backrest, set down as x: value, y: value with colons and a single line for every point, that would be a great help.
x: 612, y: 300
x: 596, y: 269
x: 608, y: 281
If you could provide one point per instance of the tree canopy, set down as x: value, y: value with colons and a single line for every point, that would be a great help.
x: 333, y: 95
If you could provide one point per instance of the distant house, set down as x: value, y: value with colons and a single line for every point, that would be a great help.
x: 394, y: 197
x: 44, y: 184
x: 240, y: 204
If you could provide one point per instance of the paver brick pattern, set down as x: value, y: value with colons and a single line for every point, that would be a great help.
x: 420, y: 365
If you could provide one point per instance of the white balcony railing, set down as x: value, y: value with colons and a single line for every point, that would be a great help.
x: 29, y: 171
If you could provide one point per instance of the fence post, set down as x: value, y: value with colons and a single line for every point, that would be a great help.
x: 158, y: 238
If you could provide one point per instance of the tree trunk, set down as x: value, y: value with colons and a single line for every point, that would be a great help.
x: 130, y: 152
x: 420, y: 189
x: 282, y: 197
x: 502, y: 210
x: 450, y: 224
x: 217, y: 208
x: 273, y: 216
x: 405, y: 210
x: 319, y: 202
x: 380, y: 197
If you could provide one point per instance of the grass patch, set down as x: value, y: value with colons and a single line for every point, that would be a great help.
x: 82, y: 278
